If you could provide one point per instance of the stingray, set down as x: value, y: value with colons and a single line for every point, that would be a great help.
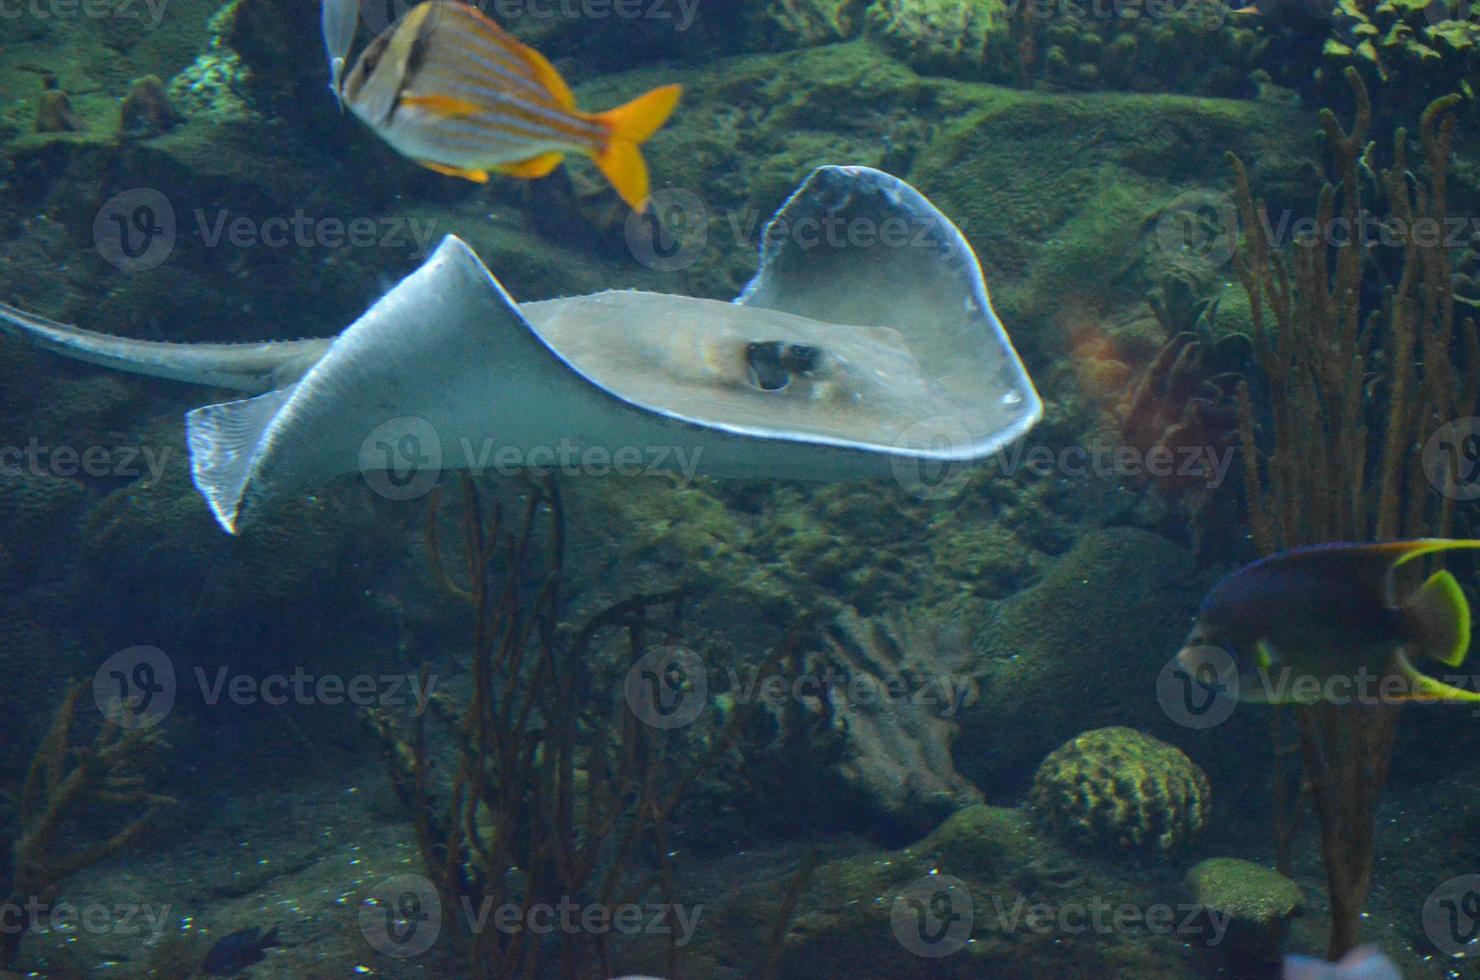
x: 865, y: 341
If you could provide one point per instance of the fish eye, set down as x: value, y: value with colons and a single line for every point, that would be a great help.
x: 768, y: 371
x: 802, y: 358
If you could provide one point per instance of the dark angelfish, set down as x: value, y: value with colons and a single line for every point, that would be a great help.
x: 1300, y: 620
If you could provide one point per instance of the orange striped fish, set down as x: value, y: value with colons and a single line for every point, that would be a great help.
x: 455, y: 92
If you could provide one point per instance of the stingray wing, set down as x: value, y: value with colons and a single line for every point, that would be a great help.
x: 858, y: 246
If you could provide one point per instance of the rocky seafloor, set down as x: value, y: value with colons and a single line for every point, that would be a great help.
x: 1054, y: 597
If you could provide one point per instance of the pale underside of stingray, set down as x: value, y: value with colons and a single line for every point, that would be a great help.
x: 852, y: 350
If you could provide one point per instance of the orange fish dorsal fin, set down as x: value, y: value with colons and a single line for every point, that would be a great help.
x: 533, y: 168
x: 548, y: 76
x: 476, y: 176
x: 544, y: 73
x: 444, y: 106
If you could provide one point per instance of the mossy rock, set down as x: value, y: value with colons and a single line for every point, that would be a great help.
x: 1255, y: 904
x: 1080, y: 648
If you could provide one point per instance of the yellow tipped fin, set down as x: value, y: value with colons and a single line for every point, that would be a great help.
x: 534, y: 168
x: 621, y: 161
x: 476, y: 176
x: 1426, y: 688
x: 1440, y: 617
x: 442, y: 106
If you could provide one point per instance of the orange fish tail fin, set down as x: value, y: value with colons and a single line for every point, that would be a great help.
x: 630, y: 125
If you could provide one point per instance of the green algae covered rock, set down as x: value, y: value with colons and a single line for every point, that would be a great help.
x: 1073, y: 652
x: 968, y: 37
x: 1257, y: 901
x: 1119, y: 788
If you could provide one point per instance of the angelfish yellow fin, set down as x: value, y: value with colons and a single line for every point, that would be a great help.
x: 443, y: 106
x: 1439, y: 616
x: 533, y: 168
x: 1426, y: 688
x: 476, y: 176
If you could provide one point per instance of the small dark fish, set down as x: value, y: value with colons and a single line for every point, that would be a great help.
x: 1330, y: 612
x: 234, y: 953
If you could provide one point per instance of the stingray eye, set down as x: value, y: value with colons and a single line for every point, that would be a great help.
x: 768, y: 370
x: 802, y: 358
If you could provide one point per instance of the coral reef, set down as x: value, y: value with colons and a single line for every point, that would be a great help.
x: 903, y: 678
x: 66, y: 781
x: 54, y: 111
x: 1119, y: 788
x: 808, y: 22
x: 214, y: 85
x: 1258, y: 901
x: 1323, y: 350
x: 1409, y: 52
x: 971, y: 37
x: 146, y: 110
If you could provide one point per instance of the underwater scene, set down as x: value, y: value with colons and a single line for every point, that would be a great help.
x: 739, y: 489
